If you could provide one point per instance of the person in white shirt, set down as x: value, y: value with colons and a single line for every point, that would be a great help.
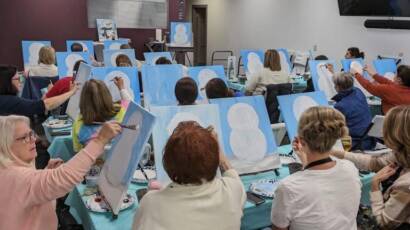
x: 272, y: 73
x: 46, y: 63
x: 196, y: 198
x: 326, y: 194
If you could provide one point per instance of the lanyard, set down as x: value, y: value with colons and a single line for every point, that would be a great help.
x: 319, y: 162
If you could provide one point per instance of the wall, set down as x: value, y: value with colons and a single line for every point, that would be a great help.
x: 296, y: 24
x: 58, y: 21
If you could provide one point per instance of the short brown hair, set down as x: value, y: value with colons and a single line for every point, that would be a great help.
x: 272, y: 60
x: 396, y: 133
x: 123, y: 60
x: 191, y: 155
x: 320, y: 127
x: 344, y: 81
x: 186, y: 91
x: 96, y: 103
x: 216, y: 88
x: 47, y: 55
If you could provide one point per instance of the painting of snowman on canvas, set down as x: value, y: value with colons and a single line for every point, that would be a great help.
x: 203, y: 74
x: 292, y: 107
x: 152, y: 57
x: 322, y: 77
x: 87, y: 45
x: 110, y: 57
x: 285, y: 63
x: 107, y: 29
x: 252, y: 61
x: 128, y: 74
x: 181, y: 34
x: 115, y: 44
x: 66, y: 61
x: 247, y: 134
x: 386, y: 68
x: 31, y: 51
x: 168, y: 118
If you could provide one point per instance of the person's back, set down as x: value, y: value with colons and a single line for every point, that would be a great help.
x: 46, y: 65
x: 323, y: 199
x: 212, y: 205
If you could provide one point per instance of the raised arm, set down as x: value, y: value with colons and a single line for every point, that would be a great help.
x: 374, y: 89
x: 382, y: 80
x: 53, y: 102
x: 47, y: 185
x: 365, y: 161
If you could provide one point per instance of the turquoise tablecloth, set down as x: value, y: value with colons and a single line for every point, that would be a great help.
x: 299, y: 84
x: 254, y: 216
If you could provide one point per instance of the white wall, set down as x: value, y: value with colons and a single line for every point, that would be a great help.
x: 297, y: 24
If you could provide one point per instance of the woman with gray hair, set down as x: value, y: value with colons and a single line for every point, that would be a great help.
x: 353, y: 104
x: 28, y: 195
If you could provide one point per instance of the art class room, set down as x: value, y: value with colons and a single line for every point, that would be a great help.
x: 205, y: 115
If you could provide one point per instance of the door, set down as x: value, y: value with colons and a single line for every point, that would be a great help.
x: 199, y: 29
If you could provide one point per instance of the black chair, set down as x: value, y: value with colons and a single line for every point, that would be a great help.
x: 33, y: 85
x: 272, y: 104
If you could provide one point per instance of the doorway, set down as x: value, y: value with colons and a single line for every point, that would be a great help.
x: 199, y: 29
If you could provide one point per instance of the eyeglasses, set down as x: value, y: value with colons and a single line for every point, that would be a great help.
x: 28, y: 138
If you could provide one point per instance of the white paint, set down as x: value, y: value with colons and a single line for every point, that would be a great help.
x: 33, y: 51
x: 180, y: 117
x: 254, y: 63
x: 115, y: 92
x: 356, y: 67
x: 325, y: 80
x: 181, y: 36
x: 204, y: 76
x: 301, y: 104
x: 390, y: 76
x: 284, y: 64
x: 242, y: 116
x: 298, y: 25
x: 114, y: 58
x: 70, y: 60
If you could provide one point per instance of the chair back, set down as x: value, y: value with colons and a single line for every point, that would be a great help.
x: 33, y: 85
x: 272, y: 104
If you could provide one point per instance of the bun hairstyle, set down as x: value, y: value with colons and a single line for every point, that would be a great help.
x: 321, y: 127
x: 355, y: 52
x: 396, y: 133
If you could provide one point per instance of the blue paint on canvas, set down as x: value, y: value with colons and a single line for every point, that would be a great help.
x: 88, y: 45
x: 181, y: 34
x: 385, y: 67
x: 114, y: 44
x: 168, y: 117
x: 31, y: 50
x: 159, y: 84
x: 292, y: 107
x: 202, y: 74
x: 152, y: 57
x: 66, y: 61
x: 322, y: 78
x: 130, y: 143
x: 252, y: 60
x: 246, y: 128
x: 347, y: 62
x: 111, y: 55
x: 130, y: 76
x: 285, y: 60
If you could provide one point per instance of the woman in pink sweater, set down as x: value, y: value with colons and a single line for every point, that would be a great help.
x: 28, y: 195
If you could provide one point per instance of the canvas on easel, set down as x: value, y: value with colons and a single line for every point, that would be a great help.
x: 152, y: 57
x: 31, y: 51
x: 168, y: 118
x: 285, y: 63
x: 294, y: 105
x: 107, y: 30
x: 252, y: 61
x: 123, y: 157
x: 110, y: 57
x: 322, y: 77
x: 114, y: 44
x: 88, y: 45
x: 83, y: 74
x: 128, y: 74
x: 202, y: 74
x: 386, y: 68
x: 67, y: 60
x: 247, y: 134
x: 159, y: 84
x: 181, y: 34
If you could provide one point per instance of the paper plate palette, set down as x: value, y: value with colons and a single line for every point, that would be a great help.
x: 140, y: 178
x: 96, y: 203
x: 59, y: 124
x: 264, y: 187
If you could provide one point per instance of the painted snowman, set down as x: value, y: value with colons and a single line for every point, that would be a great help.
x: 181, y: 36
x: 115, y: 93
x: 283, y: 62
x: 70, y: 60
x: 358, y: 67
x: 301, y: 104
x: 34, y: 50
x: 254, y: 63
x: 247, y: 141
x: 204, y: 76
x: 325, y: 80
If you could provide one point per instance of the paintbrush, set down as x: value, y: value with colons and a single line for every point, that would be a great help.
x: 143, y: 172
x: 132, y: 127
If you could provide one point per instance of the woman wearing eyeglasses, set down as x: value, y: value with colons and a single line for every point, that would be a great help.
x: 28, y: 195
x: 10, y: 103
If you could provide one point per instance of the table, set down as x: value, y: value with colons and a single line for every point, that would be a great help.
x: 254, y: 216
x: 298, y: 85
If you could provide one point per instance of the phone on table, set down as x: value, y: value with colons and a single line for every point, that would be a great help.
x: 253, y: 198
x: 140, y: 193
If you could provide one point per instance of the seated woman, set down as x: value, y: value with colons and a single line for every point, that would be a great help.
x: 46, y: 64
x: 123, y: 60
x: 10, y: 103
x: 186, y: 91
x: 63, y: 85
x: 163, y: 61
x: 326, y: 194
x: 390, y: 208
x: 196, y: 198
x: 97, y: 107
x: 354, y: 52
x: 28, y: 195
x: 352, y: 103
x: 271, y: 74
x: 216, y: 88
x: 392, y: 93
